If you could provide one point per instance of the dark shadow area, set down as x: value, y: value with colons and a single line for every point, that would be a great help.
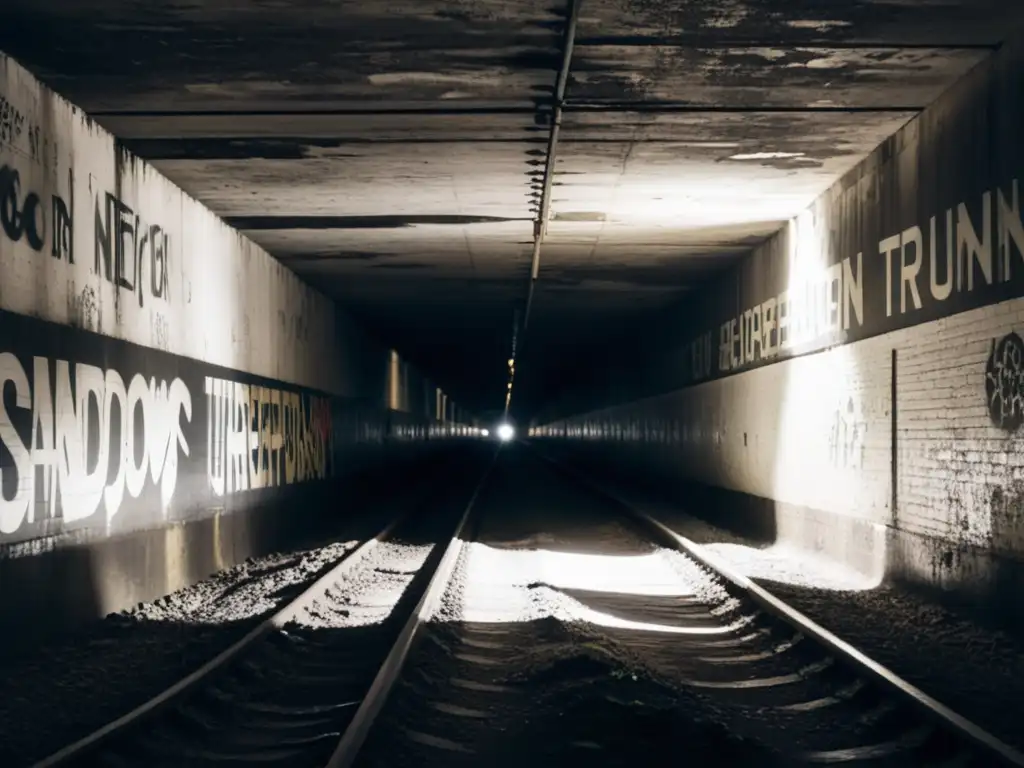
x: 540, y: 692
x: 552, y: 509
x: 546, y: 692
x: 985, y: 583
x: 955, y: 653
x: 642, y: 473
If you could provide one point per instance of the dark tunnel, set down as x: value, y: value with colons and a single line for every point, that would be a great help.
x: 479, y: 383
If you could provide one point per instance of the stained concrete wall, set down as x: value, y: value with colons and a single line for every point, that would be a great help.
x: 856, y: 385
x: 173, y: 399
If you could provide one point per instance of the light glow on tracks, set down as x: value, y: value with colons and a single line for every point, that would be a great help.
x: 507, y: 586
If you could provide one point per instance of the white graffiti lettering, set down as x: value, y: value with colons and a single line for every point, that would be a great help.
x: 925, y: 265
x: 82, y: 451
x: 846, y: 435
x: 258, y: 437
x: 819, y: 303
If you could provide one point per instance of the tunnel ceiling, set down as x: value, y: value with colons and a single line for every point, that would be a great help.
x: 391, y: 152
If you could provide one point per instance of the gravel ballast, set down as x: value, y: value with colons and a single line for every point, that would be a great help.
x: 66, y: 690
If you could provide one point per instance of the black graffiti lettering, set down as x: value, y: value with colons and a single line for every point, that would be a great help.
x: 35, y: 140
x: 62, y: 239
x: 143, y: 240
x: 158, y: 272
x: 125, y: 243
x: 26, y: 218
x: 12, y: 122
x: 33, y: 219
x: 102, y: 230
x: 10, y: 191
x: 127, y: 248
x: 1004, y: 382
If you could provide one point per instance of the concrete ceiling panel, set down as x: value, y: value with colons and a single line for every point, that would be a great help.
x: 392, y: 152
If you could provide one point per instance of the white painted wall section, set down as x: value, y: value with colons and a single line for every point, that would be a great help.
x: 95, y: 239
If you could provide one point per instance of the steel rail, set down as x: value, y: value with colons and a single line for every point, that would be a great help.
x: 359, y: 727
x: 932, y: 709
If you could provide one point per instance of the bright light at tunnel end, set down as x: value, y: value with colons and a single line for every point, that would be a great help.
x: 506, y: 433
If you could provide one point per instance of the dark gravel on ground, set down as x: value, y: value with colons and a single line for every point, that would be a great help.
x: 572, y: 700
x: 68, y: 689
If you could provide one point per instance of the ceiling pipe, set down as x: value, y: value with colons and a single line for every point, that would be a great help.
x: 540, y: 226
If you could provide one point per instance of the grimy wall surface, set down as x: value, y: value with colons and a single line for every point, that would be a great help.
x: 856, y: 385
x: 173, y: 399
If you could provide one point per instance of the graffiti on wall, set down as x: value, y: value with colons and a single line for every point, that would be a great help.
x: 111, y: 447
x: 700, y: 357
x: 846, y: 435
x: 12, y: 121
x: 970, y: 254
x: 28, y: 214
x: 24, y: 216
x: 260, y: 437
x: 130, y: 252
x: 88, y: 437
x: 1004, y: 382
x: 817, y: 305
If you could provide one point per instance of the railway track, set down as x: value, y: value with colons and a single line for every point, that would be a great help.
x: 285, y: 692
x: 487, y: 692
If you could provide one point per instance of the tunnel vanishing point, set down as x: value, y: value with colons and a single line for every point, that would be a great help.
x: 767, y: 257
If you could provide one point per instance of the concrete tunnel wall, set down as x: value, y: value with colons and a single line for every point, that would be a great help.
x: 855, y: 385
x: 174, y: 400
